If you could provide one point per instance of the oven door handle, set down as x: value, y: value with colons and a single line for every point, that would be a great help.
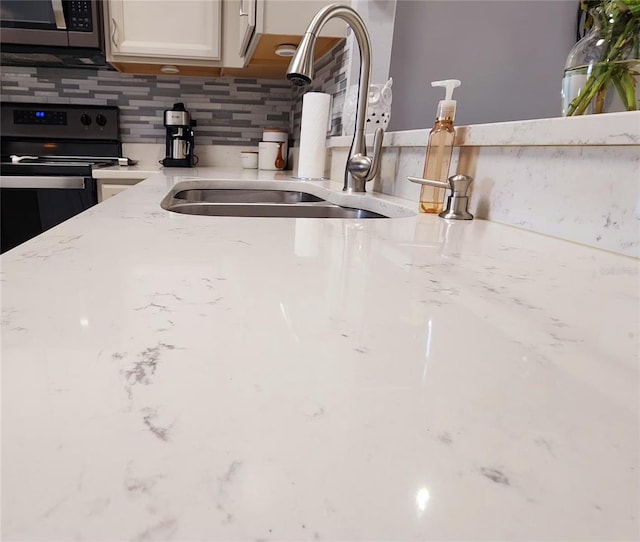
x: 26, y: 181
x: 58, y: 13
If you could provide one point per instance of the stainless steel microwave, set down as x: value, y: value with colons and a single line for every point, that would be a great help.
x: 52, y: 23
x: 52, y: 33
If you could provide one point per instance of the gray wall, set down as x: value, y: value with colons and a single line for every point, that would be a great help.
x: 509, y: 55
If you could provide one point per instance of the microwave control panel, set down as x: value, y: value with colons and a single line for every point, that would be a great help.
x: 79, y: 18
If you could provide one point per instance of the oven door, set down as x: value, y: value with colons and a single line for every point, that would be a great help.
x: 30, y: 205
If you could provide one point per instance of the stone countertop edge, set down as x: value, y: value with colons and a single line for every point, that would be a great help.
x: 138, y: 172
x: 604, y: 129
x: 177, y: 377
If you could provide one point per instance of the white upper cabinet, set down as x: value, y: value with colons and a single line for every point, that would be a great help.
x: 210, y: 37
x: 167, y: 29
x: 285, y: 18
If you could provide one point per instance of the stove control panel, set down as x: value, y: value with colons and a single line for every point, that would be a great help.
x: 63, y: 121
x: 30, y: 116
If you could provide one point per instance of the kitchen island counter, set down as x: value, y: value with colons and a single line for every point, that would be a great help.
x: 175, y: 377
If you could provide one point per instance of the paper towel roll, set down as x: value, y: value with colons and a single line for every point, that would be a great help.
x: 313, y: 134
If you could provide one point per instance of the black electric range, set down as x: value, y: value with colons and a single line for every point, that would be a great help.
x: 48, y: 155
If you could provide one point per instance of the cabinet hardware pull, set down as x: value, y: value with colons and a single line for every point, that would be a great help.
x: 113, y: 33
x: 58, y: 14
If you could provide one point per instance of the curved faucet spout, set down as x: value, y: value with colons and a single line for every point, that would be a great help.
x: 360, y: 167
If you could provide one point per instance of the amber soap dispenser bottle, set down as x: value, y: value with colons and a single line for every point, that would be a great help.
x: 439, y: 149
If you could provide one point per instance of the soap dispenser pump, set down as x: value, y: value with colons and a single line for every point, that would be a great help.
x: 439, y: 149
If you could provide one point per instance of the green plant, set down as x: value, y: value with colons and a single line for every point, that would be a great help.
x: 618, y: 22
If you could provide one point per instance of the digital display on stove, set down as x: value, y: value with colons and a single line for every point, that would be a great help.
x: 33, y: 116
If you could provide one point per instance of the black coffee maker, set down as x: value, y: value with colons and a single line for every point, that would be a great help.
x: 179, y: 139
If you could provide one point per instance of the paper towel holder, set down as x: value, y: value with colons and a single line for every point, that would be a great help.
x: 360, y: 167
x: 316, y: 107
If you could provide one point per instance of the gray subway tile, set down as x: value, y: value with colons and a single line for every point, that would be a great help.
x: 229, y: 110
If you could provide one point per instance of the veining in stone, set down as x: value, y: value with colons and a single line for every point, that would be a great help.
x: 495, y: 475
x: 140, y: 485
x: 169, y: 294
x: 149, y: 418
x: 153, y: 305
x: 143, y: 370
x: 229, y: 475
x: 227, y: 516
x: 544, y: 443
x: 162, y: 530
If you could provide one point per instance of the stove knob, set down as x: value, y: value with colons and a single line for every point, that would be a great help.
x: 101, y: 119
x: 85, y: 119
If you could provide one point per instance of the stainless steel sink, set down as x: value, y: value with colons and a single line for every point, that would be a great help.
x: 321, y: 210
x: 286, y: 199
x: 244, y: 195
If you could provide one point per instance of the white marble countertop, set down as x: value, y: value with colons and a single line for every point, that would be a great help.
x: 174, y: 377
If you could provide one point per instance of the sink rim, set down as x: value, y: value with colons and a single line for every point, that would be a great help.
x: 366, y: 202
x: 321, y: 209
x: 250, y: 196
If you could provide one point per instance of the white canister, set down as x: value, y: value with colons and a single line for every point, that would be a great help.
x: 249, y: 159
x: 278, y: 135
x: 271, y: 155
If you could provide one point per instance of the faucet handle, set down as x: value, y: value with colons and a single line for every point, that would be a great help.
x: 363, y: 168
x: 376, y: 156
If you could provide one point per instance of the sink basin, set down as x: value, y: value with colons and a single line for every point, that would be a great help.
x: 243, y: 195
x: 285, y: 199
x: 323, y: 210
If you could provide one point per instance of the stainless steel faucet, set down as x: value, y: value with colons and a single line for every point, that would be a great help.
x: 360, y: 167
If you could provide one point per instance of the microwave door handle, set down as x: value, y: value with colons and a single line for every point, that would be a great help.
x: 58, y: 13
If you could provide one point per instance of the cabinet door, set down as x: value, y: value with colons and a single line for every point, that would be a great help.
x: 247, y: 23
x: 166, y: 29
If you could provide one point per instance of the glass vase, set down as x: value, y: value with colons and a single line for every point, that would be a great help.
x: 603, y: 69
